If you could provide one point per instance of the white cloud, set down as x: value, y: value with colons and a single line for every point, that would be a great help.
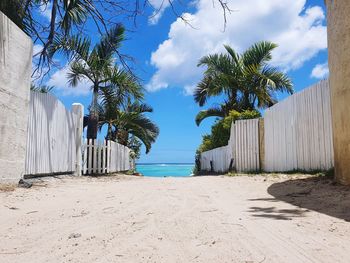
x: 299, y: 32
x: 189, y: 89
x: 320, y: 71
x: 60, y: 82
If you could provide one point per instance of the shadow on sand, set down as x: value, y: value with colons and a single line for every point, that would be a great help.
x: 274, y: 213
x: 317, y: 193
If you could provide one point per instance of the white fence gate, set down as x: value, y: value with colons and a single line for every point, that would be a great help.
x: 102, y: 157
x: 298, y: 131
x: 244, y: 144
x: 52, y: 136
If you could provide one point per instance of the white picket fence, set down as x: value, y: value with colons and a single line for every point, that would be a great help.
x: 52, y: 136
x: 217, y: 159
x: 102, y: 157
x: 244, y: 143
x: 298, y: 131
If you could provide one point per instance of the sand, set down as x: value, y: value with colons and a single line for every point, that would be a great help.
x: 201, y: 219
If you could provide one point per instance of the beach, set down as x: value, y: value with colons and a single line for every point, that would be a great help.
x: 196, y: 219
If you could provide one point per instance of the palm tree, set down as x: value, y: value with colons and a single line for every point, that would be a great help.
x: 246, y: 80
x: 126, y: 119
x: 95, y: 64
x: 123, y: 88
x: 132, y: 121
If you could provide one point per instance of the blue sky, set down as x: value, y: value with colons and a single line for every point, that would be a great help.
x: 166, y: 52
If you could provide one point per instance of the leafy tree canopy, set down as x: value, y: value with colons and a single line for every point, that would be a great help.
x: 49, y: 21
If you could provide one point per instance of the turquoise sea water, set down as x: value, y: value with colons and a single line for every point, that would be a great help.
x: 165, y: 169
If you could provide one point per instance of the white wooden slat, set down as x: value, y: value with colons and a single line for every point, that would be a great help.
x: 94, y: 156
x: 112, y: 162
x: 90, y: 156
x: 98, y: 159
x: 108, y: 156
x: 85, y: 156
x: 101, y: 158
x: 104, y: 157
x: 119, y: 157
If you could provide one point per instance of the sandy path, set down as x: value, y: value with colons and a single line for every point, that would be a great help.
x: 205, y: 219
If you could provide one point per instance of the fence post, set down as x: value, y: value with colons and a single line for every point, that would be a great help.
x: 78, y: 109
x: 261, y: 144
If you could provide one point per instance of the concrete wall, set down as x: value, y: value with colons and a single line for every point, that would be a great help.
x: 15, y: 71
x: 339, y: 64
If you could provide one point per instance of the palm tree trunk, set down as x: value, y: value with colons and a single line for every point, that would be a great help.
x: 109, y: 132
x: 93, y: 116
x: 123, y: 137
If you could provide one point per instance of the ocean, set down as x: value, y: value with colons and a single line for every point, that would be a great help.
x: 165, y: 169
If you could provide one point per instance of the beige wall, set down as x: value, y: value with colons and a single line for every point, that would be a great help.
x: 339, y: 65
x: 15, y: 71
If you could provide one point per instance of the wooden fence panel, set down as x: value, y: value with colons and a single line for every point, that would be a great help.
x: 219, y: 157
x: 244, y: 143
x: 242, y: 148
x: 298, y: 131
x: 51, y: 136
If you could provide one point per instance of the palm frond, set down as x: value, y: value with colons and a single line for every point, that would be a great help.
x: 212, y: 112
x: 75, y: 47
x: 77, y: 73
x: 259, y: 53
x: 75, y: 13
x: 245, y: 81
x: 109, y: 43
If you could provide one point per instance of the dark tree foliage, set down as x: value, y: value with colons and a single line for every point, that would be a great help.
x: 67, y: 17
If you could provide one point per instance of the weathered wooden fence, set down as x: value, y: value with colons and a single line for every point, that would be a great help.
x: 53, y: 136
x: 217, y: 160
x: 241, y: 153
x: 295, y: 134
x: 298, y: 131
x: 54, y: 142
x: 244, y: 143
x: 102, y: 157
